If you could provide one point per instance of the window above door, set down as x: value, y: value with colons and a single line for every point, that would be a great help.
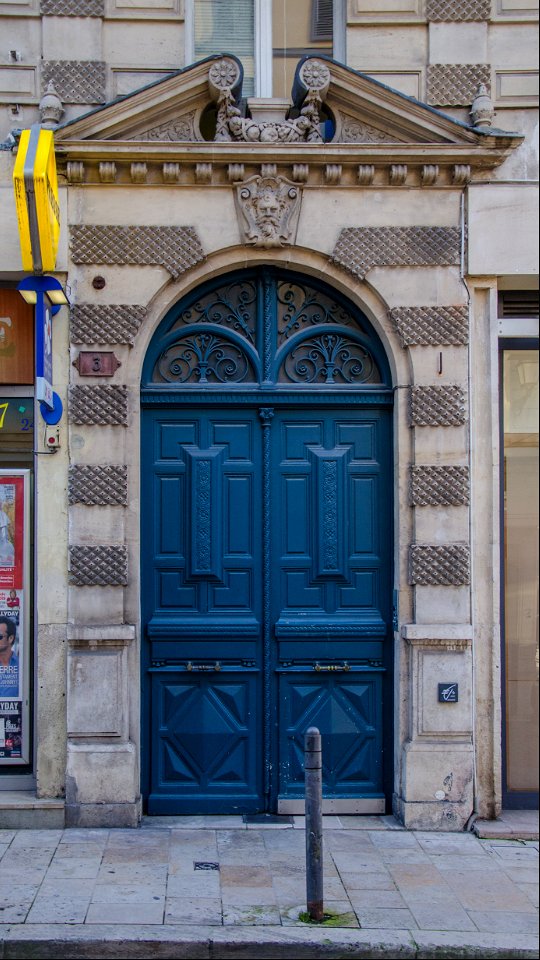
x: 267, y: 36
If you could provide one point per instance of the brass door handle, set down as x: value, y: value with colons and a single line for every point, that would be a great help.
x: 203, y: 667
x: 332, y: 667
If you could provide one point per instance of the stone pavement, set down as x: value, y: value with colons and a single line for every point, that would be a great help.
x: 219, y: 887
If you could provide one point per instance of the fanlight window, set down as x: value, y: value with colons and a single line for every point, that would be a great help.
x: 262, y: 328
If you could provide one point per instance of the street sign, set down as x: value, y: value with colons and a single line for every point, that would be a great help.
x: 36, y: 199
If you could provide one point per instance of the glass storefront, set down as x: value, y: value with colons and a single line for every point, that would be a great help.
x: 520, y: 560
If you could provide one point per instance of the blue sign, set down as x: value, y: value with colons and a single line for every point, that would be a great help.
x: 44, y: 374
x: 448, y: 693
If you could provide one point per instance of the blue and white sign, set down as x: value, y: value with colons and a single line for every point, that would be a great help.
x: 44, y: 373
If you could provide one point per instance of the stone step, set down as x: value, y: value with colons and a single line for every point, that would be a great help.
x: 22, y: 810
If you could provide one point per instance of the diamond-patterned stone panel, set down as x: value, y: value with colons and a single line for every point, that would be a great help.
x: 439, y: 486
x: 73, y: 8
x: 439, y: 564
x: 98, y: 485
x: 455, y: 84
x: 358, y: 249
x: 175, y: 248
x: 98, y: 566
x: 108, y: 323
x: 99, y: 405
x: 75, y: 81
x: 437, y: 406
x: 431, y: 326
x: 447, y: 10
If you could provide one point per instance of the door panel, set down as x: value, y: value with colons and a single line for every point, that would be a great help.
x: 330, y: 546
x: 204, y: 746
x: 347, y: 709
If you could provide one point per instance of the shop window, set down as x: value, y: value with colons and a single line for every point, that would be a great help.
x: 519, y: 396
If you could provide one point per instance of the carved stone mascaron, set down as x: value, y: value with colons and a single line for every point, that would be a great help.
x: 268, y: 209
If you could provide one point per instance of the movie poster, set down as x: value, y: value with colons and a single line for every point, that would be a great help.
x: 11, y: 532
x: 14, y: 680
x: 10, y: 729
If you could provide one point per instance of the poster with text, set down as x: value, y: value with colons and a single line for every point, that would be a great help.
x: 15, y: 617
x: 11, y: 531
x: 10, y: 729
x: 11, y: 631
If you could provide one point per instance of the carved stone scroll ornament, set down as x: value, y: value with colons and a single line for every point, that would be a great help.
x: 268, y: 209
x: 224, y: 78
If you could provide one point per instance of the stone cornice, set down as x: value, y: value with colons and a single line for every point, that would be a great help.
x: 449, y: 164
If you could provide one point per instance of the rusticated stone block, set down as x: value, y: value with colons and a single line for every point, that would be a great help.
x: 175, y: 248
x: 439, y: 486
x: 358, y: 249
x: 110, y: 323
x: 439, y: 564
x: 99, y: 405
x: 98, y: 566
x: 98, y: 485
x: 73, y: 8
x: 75, y: 81
x: 431, y: 326
x: 448, y: 10
x: 455, y: 84
x: 437, y: 406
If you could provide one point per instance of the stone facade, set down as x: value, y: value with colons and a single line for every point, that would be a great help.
x: 151, y: 210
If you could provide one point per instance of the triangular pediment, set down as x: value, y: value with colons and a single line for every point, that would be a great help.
x: 368, y: 122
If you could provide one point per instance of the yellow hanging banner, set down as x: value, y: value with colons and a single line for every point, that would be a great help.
x: 36, y: 199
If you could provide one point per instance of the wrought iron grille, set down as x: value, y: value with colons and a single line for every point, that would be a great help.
x: 262, y: 328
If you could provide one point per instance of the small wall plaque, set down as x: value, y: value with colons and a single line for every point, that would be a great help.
x: 97, y: 363
x: 448, y: 693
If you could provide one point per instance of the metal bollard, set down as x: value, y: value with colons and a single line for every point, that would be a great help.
x: 314, y: 835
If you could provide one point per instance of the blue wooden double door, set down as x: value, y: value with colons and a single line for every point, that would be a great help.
x: 267, y: 544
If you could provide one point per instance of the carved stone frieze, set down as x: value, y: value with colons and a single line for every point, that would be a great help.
x: 75, y: 81
x: 98, y: 485
x: 437, y: 406
x: 455, y: 84
x: 358, y: 249
x: 101, y: 404
x: 175, y: 248
x: 431, y: 326
x: 268, y: 209
x: 439, y: 486
x: 224, y: 79
x: 182, y: 128
x: 447, y: 10
x: 98, y: 565
x: 355, y: 131
x: 439, y: 564
x: 73, y: 8
x: 107, y: 323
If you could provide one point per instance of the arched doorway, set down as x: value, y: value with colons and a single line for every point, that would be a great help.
x: 266, y: 549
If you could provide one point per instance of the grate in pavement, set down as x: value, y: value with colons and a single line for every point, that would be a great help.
x: 205, y: 865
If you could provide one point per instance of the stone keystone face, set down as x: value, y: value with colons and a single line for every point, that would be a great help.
x: 268, y: 209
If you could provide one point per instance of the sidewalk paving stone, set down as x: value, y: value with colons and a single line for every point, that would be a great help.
x: 104, y: 893
x: 189, y: 910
